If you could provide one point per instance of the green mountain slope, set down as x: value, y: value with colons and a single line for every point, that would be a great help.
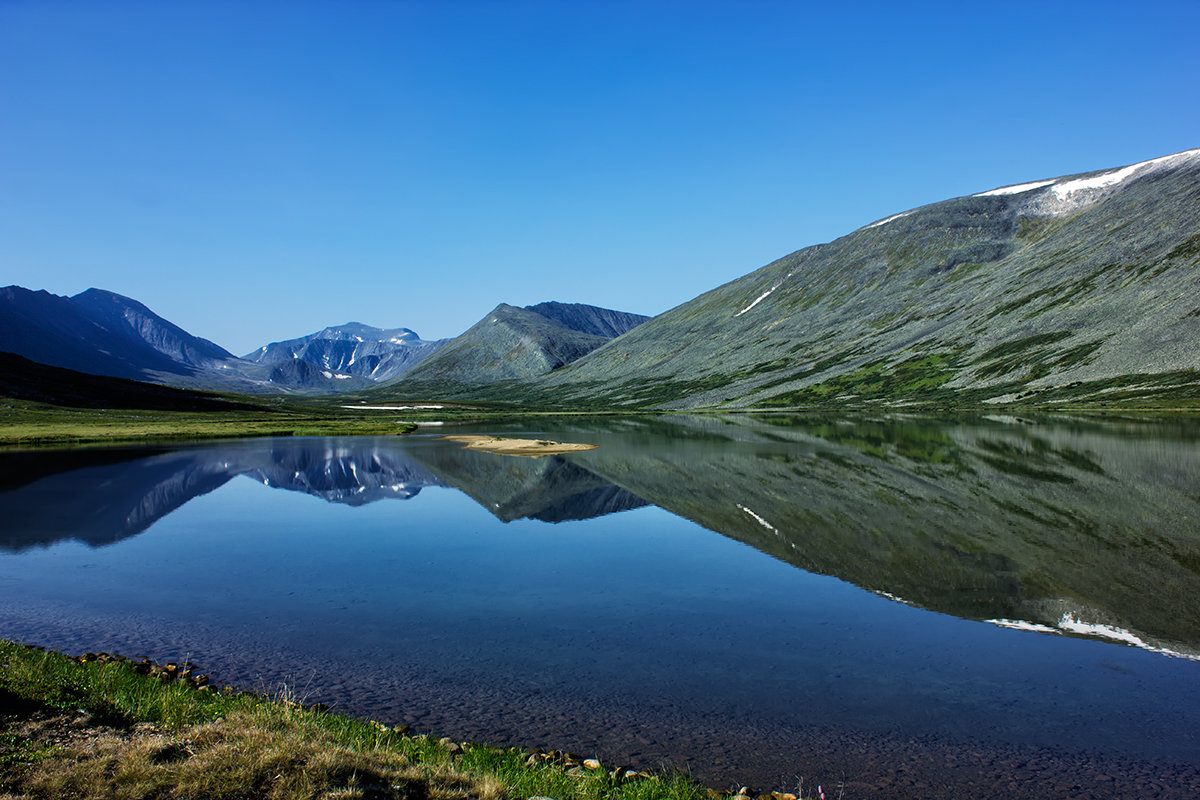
x: 514, y: 343
x: 1070, y: 289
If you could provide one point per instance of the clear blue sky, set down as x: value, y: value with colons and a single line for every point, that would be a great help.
x: 254, y: 171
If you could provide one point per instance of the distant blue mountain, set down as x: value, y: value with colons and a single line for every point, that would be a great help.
x: 102, y: 333
x: 352, y: 355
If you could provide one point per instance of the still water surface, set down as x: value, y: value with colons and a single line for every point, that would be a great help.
x: 903, y: 606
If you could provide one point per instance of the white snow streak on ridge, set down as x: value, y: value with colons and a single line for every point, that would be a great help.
x: 759, y: 519
x: 1021, y: 187
x: 1064, y: 190
x: 757, y: 300
x: 889, y: 219
x: 763, y: 296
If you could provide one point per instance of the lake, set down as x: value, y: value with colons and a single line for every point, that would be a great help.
x: 894, y: 606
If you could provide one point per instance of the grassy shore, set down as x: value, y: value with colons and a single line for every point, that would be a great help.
x: 103, y: 727
x: 24, y: 423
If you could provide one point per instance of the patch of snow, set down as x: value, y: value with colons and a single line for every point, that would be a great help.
x: 759, y: 519
x: 327, y: 373
x: 1072, y: 624
x: 358, y: 338
x: 1073, y: 192
x: 341, y: 377
x: 889, y: 219
x: 1065, y: 190
x: 757, y: 300
x: 1022, y: 625
x: 1020, y: 187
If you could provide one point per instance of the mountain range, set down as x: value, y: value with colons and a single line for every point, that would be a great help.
x: 101, y: 333
x: 1062, y: 290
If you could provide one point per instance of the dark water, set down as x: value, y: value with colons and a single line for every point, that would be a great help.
x: 756, y: 600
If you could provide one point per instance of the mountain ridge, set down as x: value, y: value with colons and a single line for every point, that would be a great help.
x: 1074, y: 288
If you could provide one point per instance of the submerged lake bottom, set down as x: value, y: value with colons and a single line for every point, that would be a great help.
x: 742, y: 599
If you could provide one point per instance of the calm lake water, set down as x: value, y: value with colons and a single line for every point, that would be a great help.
x: 902, y: 607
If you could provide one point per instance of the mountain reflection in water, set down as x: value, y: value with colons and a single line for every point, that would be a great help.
x: 644, y: 637
x: 1079, y: 526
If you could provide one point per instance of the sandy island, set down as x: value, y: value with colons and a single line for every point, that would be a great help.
x: 531, y: 448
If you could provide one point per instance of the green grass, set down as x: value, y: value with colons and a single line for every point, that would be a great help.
x: 877, y: 380
x: 25, y: 423
x: 208, y: 743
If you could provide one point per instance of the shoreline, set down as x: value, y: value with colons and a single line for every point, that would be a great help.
x: 100, y: 707
x: 866, y: 765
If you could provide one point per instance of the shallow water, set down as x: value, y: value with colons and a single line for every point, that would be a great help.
x: 753, y: 599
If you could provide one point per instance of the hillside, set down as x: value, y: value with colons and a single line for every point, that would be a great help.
x: 1079, y: 288
x: 22, y: 379
x: 102, y: 333
x: 513, y: 344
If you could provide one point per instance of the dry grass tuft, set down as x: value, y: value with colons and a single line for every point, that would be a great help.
x: 249, y: 754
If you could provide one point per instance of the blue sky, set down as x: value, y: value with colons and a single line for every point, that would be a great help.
x: 254, y: 171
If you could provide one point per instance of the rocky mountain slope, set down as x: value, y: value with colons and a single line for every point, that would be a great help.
x: 102, y: 333
x: 1065, y: 289
x: 589, y: 319
x: 512, y: 344
x: 355, y: 353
